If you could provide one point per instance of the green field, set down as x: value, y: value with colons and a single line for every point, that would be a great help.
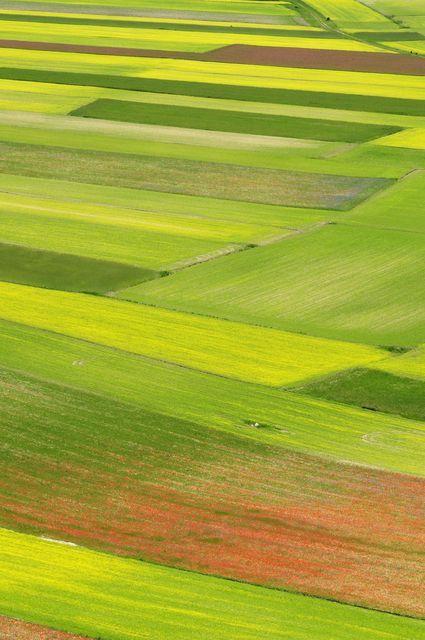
x: 128, y: 599
x: 318, y: 283
x: 212, y: 360
x: 231, y: 121
x: 372, y: 390
x: 289, y: 420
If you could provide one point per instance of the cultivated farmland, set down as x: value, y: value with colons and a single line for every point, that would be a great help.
x: 212, y: 325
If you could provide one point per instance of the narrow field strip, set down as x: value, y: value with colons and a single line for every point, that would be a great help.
x: 271, y: 357
x: 285, y: 419
x: 180, y: 494
x: 414, y: 139
x: 153, y: 601
x: 259, y: 124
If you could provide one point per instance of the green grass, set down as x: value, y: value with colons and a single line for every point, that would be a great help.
x: 250, y: 184
x: 411, y: 364
x: 215, y: 120
x: 240, y: 351
x: 25, y: 265
x: 373, y: 390
x: 227, y: 212
x: 295, y: 422
x: 98, y: 595
x: 339, y: 282
x: 399, y: 207
x: 376, y: 104
x: 148, y: 239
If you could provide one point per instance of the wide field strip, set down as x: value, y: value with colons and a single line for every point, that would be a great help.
x: 41, y: 268
x: 148, y: 239
x: 22, y: 92
x: 215, y: 179
x: 229, y: 214
x: 222, y: 504
x: 177, y: 142
x: 191, y: 71
x: 259, y: 124
x: 348, y: 11
x: 90, y: 593
x: 285, y: 419
x: 231, y: 349
x: 304, y: 97
x: 178, y: 25
x: 317, y: 283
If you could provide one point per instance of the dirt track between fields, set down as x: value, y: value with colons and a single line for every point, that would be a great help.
x: 248, y: 54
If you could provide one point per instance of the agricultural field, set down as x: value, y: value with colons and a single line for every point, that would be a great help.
x: 212, y: 319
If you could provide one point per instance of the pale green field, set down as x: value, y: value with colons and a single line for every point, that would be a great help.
x: 132, y: 236
x: 92, y: 593
x: 291, y: 421
x: 319, y: 283
x: 399, y: 207
x: 230, y: 212
x: 240, y: 351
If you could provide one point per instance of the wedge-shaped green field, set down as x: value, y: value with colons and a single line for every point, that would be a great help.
x: 411, y: 364
x: 349, y: 282
x: 85, y: 592
x: 373, y: 390
x: 231, y: 349
x: 210, y: 179
x: 65, y: 271
x: 399, y: 207
x: 286, y: 419
x: 215, y: 120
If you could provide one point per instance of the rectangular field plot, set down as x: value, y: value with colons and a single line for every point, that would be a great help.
x: 216, y: 120
x: 338, y: 281
x: 260, y: 501
x: 91, y: 593
x: 240, y: 351
x: 232, y: 182
x: 285, y: 419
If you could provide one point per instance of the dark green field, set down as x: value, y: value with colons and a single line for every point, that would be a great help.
x: 237, y: 122
x: 373, y: 390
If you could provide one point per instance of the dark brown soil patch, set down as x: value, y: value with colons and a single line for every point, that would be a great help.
x: 11, y: 629
x: 319, y: 59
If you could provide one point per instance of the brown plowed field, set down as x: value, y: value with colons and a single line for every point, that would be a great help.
x: 319, y: 59
x: 11, y: 629
x: 247, y: 54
